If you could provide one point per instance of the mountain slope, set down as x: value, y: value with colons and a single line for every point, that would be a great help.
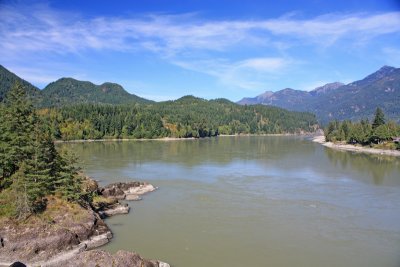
x: 8, y: 79
x: 354, y: 101
x: 66, y: 91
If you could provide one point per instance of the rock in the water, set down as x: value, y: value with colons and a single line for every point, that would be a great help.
x: 128, y: 191
x: 114, y: 210
x: 132, y: 197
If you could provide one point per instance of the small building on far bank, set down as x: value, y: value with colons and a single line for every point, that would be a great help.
x: 396, y: 139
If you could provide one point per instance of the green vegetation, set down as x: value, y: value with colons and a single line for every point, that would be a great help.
x: 7, y: 81
x: 379, y: 133
x: 30, y: 166
x: 67, y: 90
x: 74, y: 109
x: 186, y: 117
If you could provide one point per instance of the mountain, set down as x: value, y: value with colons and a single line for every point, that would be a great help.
x: 66, y: 91
x: 326, y: 88
x: 260, y: 99
x: 354, y: 101
x: 8, y: 79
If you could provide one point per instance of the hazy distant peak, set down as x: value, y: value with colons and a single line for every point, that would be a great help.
x: 377, y: 75
x: 353, y: 101
x: 327, y: 87
x: 266, y: 94
x: 387, y: 68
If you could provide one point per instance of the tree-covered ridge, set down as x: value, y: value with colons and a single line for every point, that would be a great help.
x: 30, y: 166
x: 82, y: 110
x: 186, y: 117
x: 67, y: 91
x: 379, y: 132
x: 8, y: 80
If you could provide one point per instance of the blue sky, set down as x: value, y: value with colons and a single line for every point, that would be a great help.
x: 162, y: 49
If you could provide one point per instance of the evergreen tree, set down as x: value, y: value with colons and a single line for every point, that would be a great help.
x: 69, y: 182
x: 43, y: 160
x: 16, y: 128
x: 22, y: 203
x: 379, y: 118
x: 30, y: 166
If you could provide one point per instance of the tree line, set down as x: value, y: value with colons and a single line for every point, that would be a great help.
x: 183, y: 118
x: 363, y: 132
x: 30, y: 166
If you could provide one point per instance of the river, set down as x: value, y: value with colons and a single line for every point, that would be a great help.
x: 253, y: 201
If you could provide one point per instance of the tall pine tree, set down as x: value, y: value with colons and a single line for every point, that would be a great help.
x: 16, y: 129
x: 379, y: 118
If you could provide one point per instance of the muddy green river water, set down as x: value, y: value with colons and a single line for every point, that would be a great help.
x: 253, y: 201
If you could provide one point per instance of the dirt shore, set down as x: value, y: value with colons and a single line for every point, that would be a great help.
x: 355, y: 148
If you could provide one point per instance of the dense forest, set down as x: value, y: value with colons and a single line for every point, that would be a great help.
x: 378, y: 133
x: 30, y: 166
x: 82, y: 110
x: 186, y: 117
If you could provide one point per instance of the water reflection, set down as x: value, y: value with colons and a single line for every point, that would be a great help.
x: 289, y: 156
x: 370, y: 166
x: 221, y: 150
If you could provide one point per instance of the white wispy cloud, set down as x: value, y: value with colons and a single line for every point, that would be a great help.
x: 250, y: 74
x: 45, y: 29
x: 185, y: 40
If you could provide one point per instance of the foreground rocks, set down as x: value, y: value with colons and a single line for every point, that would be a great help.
x: 62, y: 235
x: 103, y: 258
x: 62, y: 227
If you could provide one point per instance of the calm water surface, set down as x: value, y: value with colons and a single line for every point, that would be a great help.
x: 253, y: 201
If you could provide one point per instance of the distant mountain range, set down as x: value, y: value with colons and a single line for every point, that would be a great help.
x: 67, y: 91
x: 355, y: 101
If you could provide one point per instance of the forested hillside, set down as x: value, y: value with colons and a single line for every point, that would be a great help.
x: 8, y: 80
x: 82, y: 110
x: 186, y: 117
x: 66, y: 91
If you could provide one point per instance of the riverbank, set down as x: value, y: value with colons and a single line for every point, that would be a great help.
x: 65, y: 232
x: 166, y: 139
x: 355, y: 148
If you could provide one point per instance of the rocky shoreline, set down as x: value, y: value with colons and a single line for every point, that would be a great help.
x: 354, y: 148
x: 66, y: 232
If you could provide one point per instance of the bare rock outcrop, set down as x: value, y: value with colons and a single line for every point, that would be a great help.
x: 128, y: 190
x: 102, y: 258
x: 62, y: 227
